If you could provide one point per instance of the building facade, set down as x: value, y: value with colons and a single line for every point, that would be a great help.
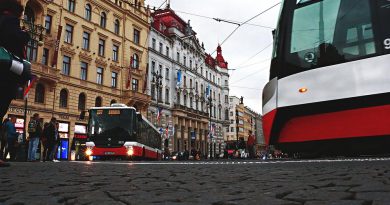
x: 183, y: 82
x: 242, y: 119
x: 90, y: 53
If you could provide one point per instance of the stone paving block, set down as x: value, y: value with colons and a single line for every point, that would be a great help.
x: 320, y: 195
x: 377, y: 196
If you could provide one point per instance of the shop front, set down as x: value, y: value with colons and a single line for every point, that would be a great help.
x: 63, y: 146
x: 78, y: 143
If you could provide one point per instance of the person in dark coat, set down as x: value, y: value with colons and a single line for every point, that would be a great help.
x: 13, y: 39
x: 50, y: 134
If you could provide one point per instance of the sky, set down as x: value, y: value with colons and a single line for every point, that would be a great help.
x: 248, y: 50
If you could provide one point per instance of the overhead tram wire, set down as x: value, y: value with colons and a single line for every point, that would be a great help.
x: 222, y: 20
x: 263, y: 49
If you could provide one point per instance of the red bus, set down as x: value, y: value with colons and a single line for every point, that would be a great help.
x: 119, y: 131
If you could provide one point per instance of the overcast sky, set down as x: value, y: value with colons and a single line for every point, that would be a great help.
x: 239, y: 50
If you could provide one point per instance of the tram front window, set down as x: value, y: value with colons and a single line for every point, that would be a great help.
x: 328, y: 32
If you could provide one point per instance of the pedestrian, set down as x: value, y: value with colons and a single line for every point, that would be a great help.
x: 251, y: 144
x: 56, y: 142
x: 14, y: 40
x: 3, y: 138
x: 35, y: 132
x: 50, y: 133
x: 44, y: 137
x: 12, y: 139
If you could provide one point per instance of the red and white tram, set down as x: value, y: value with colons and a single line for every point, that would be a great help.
x: 119, y: 131
x: 329, y: 88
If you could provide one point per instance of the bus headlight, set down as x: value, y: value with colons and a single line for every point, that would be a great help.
x: 130, y: 152
x: 88, y: 152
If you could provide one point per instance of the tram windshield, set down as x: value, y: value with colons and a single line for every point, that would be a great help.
x: 327, y: 32
x: 112, y: 122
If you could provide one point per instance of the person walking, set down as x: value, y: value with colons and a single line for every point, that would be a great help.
x: 3, y: 138
x: 50, y: 133
x: 44, y: 142
x: 35, y: 132
x: 14, y: 40
x: 251, y: 144
x: 12, y: 137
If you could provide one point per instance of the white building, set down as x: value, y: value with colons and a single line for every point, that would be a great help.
x: 180, y: 72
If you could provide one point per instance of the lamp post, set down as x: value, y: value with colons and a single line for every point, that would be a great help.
x: 210, y: 133
x: 36, y: 34
x: 157, y: 81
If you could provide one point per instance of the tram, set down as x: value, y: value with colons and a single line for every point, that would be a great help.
x: 119, y: 131
x: 329, y: 87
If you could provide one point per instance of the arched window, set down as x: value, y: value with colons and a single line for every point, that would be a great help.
x: 63, y: 98
x: 112, y: 102
x: 81, y: 104
x: 88, y: 12
x: 103, y: 20
x: 40, y: 93
x: 98, y: 102
x: 116, y: 26
x: 135, y: 63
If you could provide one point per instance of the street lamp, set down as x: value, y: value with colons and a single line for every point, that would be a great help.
x: 157, y: 82
x: 210, y: 133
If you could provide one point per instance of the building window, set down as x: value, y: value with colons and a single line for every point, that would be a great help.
x: 114, y: 79
x: 45, y: 56
x: 48, y: 20
x: 63, y: 98
x: 68, y: 33
x: 167, y: 73
x: 154, y: 44
x: 66, y: 65
x: 88, y: 12
x: 101, y: 47
x: 184, y: 60
x: 20, y: 93
x: 71, y: 5
x: 167, y: 51
x: 185, y: 81
x: 160, y: 48
x: 116, y: 26
x: 103, y: 20
x: 178, y: 98
x: 226, y: 99
x: 160, y: 94
x: 191, y: 104
x: 177, y: 56
x: 115, y: 53
x: 32, y: 50
x: 83, y: 71
x: 190, y: 64
x: 196, y: 104
x: 231, y: 129
x: 136, y: 36
x: 86, y: 36
x: 112, y: 102
x: 153, y: 92
x: 81, y: 104
x: 39, y: 93
x: 166, y: 95
x: 98, y: 102
x: 185, y: 100
x: 99, y: 76
x: 153, y: 66
x: 134, y: 85
x: 135, y: 63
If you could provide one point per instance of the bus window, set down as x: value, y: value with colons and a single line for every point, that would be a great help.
x: 384, y: 15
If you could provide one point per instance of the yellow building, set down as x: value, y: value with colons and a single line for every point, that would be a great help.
x: 89, y: 47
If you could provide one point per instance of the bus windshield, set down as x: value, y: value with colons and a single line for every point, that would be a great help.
x: 111, y: 122
x: 327, y: 32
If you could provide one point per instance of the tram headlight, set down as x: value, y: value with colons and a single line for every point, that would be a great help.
x: 88, y: 152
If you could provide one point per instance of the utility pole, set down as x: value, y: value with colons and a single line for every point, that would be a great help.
x: 210, y: 133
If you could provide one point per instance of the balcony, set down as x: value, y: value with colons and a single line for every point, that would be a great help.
x: 46, y: 73
x: 137, y: 96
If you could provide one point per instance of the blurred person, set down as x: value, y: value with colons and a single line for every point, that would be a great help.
x: 44, y: 141
x: 56, y: 142
x: 50, y: 134
x: 14, y: 40
x: 3, y: 138
x: 35, y: 132
x: 251, y: 144
x: 12, y: 137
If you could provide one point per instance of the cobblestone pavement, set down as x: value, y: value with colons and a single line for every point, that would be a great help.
x: 339, y: 182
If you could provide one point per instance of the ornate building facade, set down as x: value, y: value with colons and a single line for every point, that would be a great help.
x: 90, y: 53
x: 188, y: 88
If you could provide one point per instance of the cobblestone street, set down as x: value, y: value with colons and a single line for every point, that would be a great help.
x: 355, y: 182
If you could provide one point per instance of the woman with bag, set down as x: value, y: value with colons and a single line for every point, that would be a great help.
x: 14, y: 40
